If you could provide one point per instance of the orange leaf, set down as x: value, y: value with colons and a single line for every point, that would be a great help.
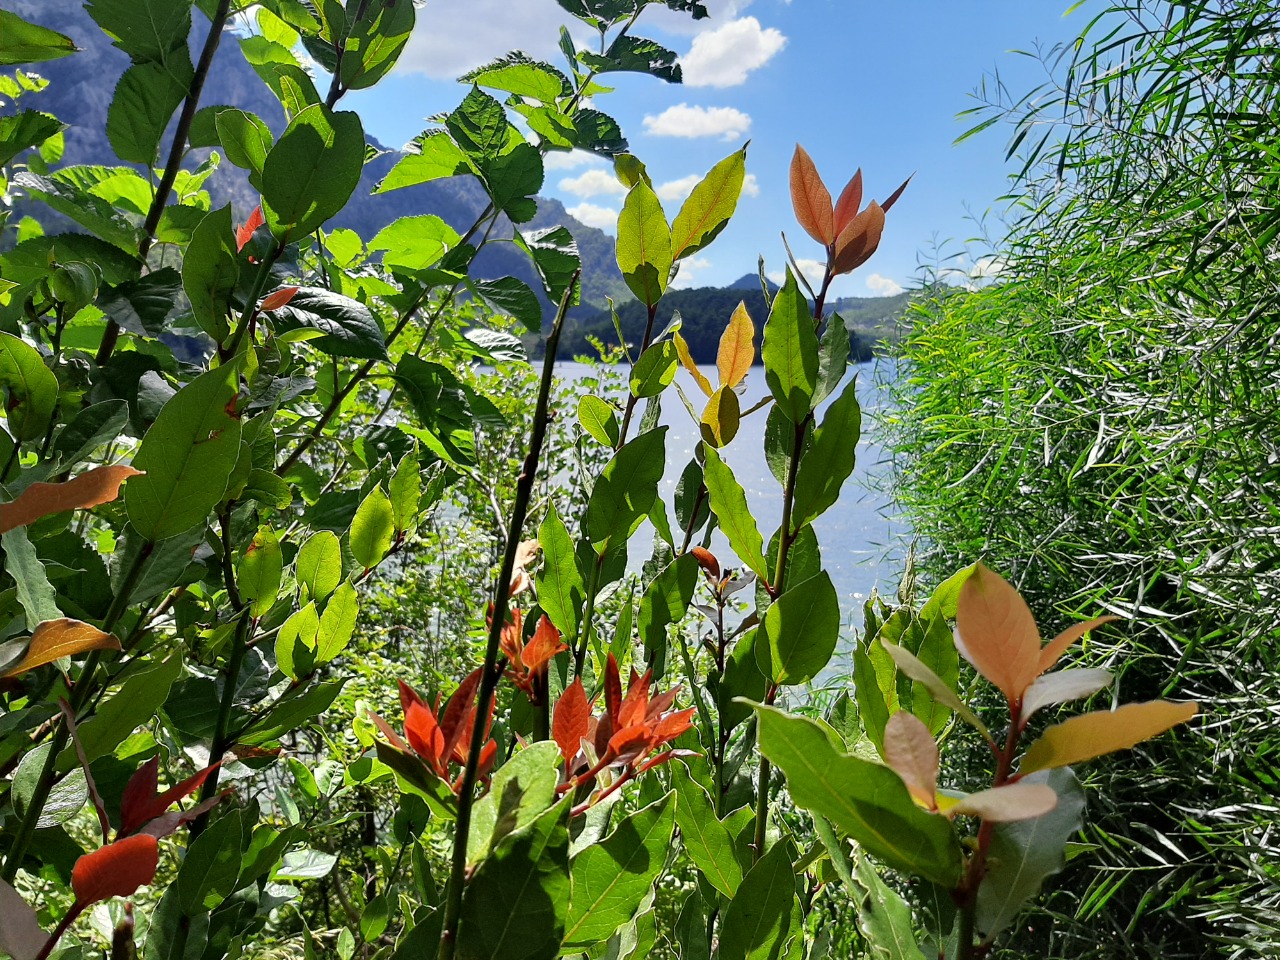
x: 1104, y: 731
x: 810, y: 199
x: 1013, y: 801
x: 62, y: 638
x: 996, y: 632
x: 278, y: 299
x: 99, y: 485
x: 686, y: 359
x: 612, y: 689
x: 737, y: 351
x: 459, y: 712
x: 911, y: 753
x: 859, y: 240
x: 116, y: 870
x: 424, y: 735
x: 542, y: 646
x: 1056, y: 647
x: 570, y: 723
x: 244, y: 233
x: 849, y: 202
x: 893, y: 197
x: 636, y: 704
x: 706, y: 559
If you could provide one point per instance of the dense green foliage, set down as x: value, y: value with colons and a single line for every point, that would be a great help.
x: 1103, y: 420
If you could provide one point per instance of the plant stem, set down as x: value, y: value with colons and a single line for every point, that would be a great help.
x: 489, y: 672
x: 174, y: 163
x: 965, y: 934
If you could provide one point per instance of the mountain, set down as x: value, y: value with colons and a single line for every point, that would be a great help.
x: 80, y: 92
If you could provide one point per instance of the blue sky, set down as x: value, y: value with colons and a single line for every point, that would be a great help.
x: 857, y: 82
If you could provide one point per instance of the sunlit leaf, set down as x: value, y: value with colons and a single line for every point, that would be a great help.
x: 1014, y: 801
x: 1105, y: 731
x: 737, y: 350
x: 910, y: 751
x: 996, y: 632
x: 116, y: 870
x: 1061, y: 686
x: 1052, y: 651
x: 54, y: 639
x: 810, y: 199
x: 89, y: 489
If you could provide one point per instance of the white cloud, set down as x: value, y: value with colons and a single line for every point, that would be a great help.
x: 750, y: 186
x: 988, y: 267
x: 674, y: 191
x: 812, y: 269
x: 602, y: 218
x: 672, y: 21
x: 725, y: 56
x: 593, y: 183
x: 683, y: 120
x: 460, y: 35
x: 570, y: 160
x: 690, y: 269
x: 883, y: 286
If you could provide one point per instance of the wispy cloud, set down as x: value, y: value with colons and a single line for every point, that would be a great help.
x: 683, y: 120
x: 570, y: 160
x: 602, y: 218
x: 727, y: 55
x: 883, y: 286
x: 593, y: 183
x: 460, y: 35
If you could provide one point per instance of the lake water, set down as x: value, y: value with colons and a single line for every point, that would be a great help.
x: 862, y: 543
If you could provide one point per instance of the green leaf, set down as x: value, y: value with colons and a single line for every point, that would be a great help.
x: 296, y: 643
x: 561, y: 591
x: 946, y: 597
x: 147, y: 30
x: 245, y: 139
x: 443, y: 407
x: 644, y: 244
x: 708, y: 208
x: 864, y: 799
x: 729, y: 504
x: 30, y: 128
x: 144, y: 103
x: 92, y: 213
x: 790, y: 352
x: 350, y: 328
x: 625, y: 490
x: 414, y: 243
x: 1024, y: 853
x: 758, y: 918
x: 305, y: 864
x: 431, y: 156
x: 512, y: 296
x: 373, y: 529
x: 525, y: 77
x: 31, y: 388
x: 36, y: 595
x: 259, y: 571
x: 510, y: 168
x: 665, y: 602
x: 938, y: 652
x: 721, y: 418
x: 211, y: 865
x: 311, y: 172
x: 611, y: 877
x: 318, y: 566
x: 742, y: 679
x: 554, y: 252
x: 528, y: 876
x: 187, y: 456
x: 522, y: 790
x: 210, y: 272
x: 144, y: 306
x: 337, y: 623
x: 137, y: 702
x: 833, y: 358
x: 827, y: 463
x: 883, y: 916
x: 23, y: 42
x: 706, y: 839
x: 655, y: 370
x: 375, y: 43
x: 406, y: 492
x: 295, y: 708
x: 801, y: 628
x: 93, y: 427
x: 64, y: 801
x: 636, y: 55
x: 871, y: 704
x: 599, y: 419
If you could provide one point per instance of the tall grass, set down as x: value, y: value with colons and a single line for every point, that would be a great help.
x: 1104, y: 423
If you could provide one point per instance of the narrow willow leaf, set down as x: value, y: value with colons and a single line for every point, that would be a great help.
x: 311, y: 172
x: 187, y: 456
x: 1062, y: 686
x: 31, y: 387
x: 644, y: 244
x: 528, y: 874
x: 721, y: 418
x: 625, y: 490
x: 611, y: 877
x: 55, y: 639
x: 801, y: 628
x: 708, y: 208
x: 810, y: 199
x: 599, y: 420
x: 911, y: 753
x: 996, y: 632
x: 706, y: 839
x: 729, y: 504
x: 790, y: 352
x: 373, y: 529
x: 1024, y: 853
x: 758, y: 918
x: 827, y: 463
x: 89, y: 489
x: 865, y: 800
x: 737, y: 351
x: 318, y: 566
x: 259, y: 571
x: 1105, y: 731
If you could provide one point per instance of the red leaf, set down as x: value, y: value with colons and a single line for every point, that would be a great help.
x: 140, y: 802
x: 810, y: 199
x: 859, y: 240
x: 571, y: 718
x: 116, y: 870
x: 612, y: 690
x: 424, y: 734
x: 91, y: 488
x: 543, y: 645
x: 244, y: 233
x: 672, y: 725
x: 459, y: 712
x: 849, y: 202
x: 706, y: 559
x: 408, y: 697
x: 636, y: 704
x: 893, y: 197
x: 278, y: 299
